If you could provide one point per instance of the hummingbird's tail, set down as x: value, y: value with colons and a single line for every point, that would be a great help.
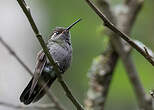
x: 39, y: 91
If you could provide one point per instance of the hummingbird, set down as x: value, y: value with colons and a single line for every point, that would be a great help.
x: 60, y: 48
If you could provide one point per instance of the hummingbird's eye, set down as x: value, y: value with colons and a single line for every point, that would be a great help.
x: 57, y: 32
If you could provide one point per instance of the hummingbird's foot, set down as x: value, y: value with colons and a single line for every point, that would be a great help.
x: 57, y: 62
x: 60, y: 69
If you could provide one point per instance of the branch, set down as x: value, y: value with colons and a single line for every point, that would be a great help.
x: 40, y: 106
x: 118, y: 32
x: 126, y: 21
x: 27, y: 12
x: 13, y: 53
x: 100, y: 75
x: 105, y: 6
x: 144, y: 102
x: 102, y: 69
x: 118, y: 20
x: 134, y: 6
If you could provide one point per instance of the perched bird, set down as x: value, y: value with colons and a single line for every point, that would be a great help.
x: 60, y: 48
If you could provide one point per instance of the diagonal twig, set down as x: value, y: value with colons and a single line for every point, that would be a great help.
x: 102, y: 70
x: 134, y: 7
x: 144, y: 102
x: 100, y: 75
x: 13, y: 53
x: 27, y: 12
x: 111, y: 26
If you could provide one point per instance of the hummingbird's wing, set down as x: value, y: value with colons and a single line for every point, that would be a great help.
x: 41, y: 60
x: 46, y: 77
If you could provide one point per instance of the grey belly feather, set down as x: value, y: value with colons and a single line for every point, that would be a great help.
x: 62, y: 54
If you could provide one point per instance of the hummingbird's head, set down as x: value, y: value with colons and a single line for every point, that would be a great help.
x: 63, y: 34
x: 60, y: 33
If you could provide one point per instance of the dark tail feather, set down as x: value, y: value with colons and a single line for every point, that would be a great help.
x: 39, y: 91
x: 42, y: 90
x: 25, y: 94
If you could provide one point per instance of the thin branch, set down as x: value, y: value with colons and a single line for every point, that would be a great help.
x: 13, y: 53
x: 105, y: 6
x: 27, y: 12
x: 119, y: 19
x: 144, y: 102
x: 102, y: 69
x: 148, y: 55
x: 134, y: 7
x: 100, y: 74
x: 118, y: 32
x: 129, y: 17
x: 40, y: 106
x: 54, y: 100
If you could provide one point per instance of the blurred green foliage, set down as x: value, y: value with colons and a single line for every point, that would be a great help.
x: 88, y: 43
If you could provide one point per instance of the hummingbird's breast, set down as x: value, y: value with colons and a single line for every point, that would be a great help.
x: 61, y: 53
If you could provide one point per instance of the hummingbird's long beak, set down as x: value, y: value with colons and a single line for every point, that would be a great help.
x: 69, y: 27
